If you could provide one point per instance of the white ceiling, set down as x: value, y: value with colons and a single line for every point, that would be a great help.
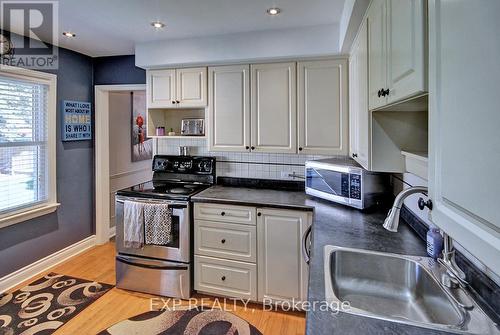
x: 113, y: 27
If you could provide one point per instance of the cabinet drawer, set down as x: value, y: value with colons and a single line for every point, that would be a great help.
x: 225, y: 213
x: 225, y: 277
x: 225, y: 240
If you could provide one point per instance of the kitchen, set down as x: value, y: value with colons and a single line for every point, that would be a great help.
x: 311, y: 168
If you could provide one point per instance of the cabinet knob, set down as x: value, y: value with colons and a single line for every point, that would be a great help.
x: 247, y: 147
x: 223, y: 278
x: 259, y: 214
x: 173, y: 101
x: 223, y: 213
x: 385, y: 92
x: 379, y: 93
x: 177, y: 101
x: 253, y: 148
x: 354, y: 155
x: 300, y: 148
x: 223, y: 241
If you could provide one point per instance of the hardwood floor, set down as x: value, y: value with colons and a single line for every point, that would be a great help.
x: 98, y: 264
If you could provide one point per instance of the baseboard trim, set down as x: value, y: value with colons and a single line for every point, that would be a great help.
x: 112, y: 232
x: 15, y: 278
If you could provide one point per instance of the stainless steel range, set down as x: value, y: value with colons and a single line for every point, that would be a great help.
x: 163, y: 269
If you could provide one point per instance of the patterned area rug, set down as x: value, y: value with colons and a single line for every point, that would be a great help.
x: 183, y: 322
x: 46, y: 304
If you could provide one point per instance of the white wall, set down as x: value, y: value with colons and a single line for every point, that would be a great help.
x: 123, y: 172
x: 318, y: 40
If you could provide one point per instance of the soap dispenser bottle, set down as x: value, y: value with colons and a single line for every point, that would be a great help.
x: 434, y: 242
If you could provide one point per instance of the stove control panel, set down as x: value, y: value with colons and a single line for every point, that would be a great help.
x: 184, y: 164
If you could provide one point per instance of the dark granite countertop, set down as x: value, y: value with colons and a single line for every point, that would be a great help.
x: 335, y: 225
x: 255, y: 197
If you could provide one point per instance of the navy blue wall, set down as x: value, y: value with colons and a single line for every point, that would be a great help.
x: 29, y: 241
x: 117, y: 70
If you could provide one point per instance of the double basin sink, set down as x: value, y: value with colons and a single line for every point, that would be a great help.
x: 398, y: 288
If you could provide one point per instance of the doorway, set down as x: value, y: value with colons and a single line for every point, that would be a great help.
x: 109, y: 100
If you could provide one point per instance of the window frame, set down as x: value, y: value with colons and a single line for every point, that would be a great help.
x: 51, y: 204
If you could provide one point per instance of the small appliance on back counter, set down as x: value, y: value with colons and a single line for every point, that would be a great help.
x: 193, y: 127
x: 344, y: 181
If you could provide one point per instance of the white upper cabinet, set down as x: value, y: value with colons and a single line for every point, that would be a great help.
x: 192, y: 87
x: 322, y: 107
x: 396, y: 50
x: 273, y: 107
x: 229, y: 111
x: 377, y: 53
x: 406, y: 42
x: 161, y: 89
x: 177, y: 88
x: 464, y: 156
x: 359, y: 117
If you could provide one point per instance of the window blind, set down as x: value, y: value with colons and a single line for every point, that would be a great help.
x: 24, y: 174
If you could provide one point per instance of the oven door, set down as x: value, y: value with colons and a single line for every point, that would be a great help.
x: 327, y: 184
x: 177, y: 250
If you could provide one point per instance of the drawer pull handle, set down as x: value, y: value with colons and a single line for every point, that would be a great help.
x: 223, y: 278
x: 223, y: 241
x: 223, y: 213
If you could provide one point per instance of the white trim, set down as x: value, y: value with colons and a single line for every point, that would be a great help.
x: 102, y: 177
x: 112, y: 232
x: 28, y: 214
x: 15, y: 278
x: 51, y: 204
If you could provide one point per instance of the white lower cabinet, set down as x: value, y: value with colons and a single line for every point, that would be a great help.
x: 225, y: 277
x: 258, y: 260
x: 282, y: 271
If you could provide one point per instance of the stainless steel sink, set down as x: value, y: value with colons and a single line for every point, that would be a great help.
x: 398, y: 288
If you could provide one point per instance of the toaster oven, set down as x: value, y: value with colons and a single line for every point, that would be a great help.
x: 193, y: 127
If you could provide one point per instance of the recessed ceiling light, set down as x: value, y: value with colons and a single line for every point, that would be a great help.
x: 69, y: 34
x: 273, y: 11
x: 158, y: 24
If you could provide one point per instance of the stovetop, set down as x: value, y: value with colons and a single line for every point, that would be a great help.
x: 175, y: 178
x: 170, y: 191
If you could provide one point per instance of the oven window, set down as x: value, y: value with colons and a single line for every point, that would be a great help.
x: 331, y: 182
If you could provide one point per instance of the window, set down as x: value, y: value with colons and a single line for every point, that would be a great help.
x: 27, y: 144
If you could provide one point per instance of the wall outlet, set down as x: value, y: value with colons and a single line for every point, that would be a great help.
x: 285, y: 174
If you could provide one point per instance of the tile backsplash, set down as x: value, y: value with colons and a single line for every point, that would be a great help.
x: 242, y: 165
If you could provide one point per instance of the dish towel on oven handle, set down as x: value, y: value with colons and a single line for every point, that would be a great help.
x: 133, y: 224
x: 157, y: 224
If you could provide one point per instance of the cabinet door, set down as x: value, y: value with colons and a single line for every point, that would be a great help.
x: 464, y: 155
x: 282, y: 271
x: 322, y: 107
x: 377, y: 52
x: 160, y: 89
x: 274, y: 113
x: 358, y: 107
x: 229, y: 111
x: 405, y: 43
x: 192, y: 87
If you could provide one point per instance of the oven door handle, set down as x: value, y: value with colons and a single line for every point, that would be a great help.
x: 128, y: 261
x: 149, y: 201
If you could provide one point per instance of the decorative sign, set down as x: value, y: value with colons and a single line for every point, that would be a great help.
x: 77, y: 121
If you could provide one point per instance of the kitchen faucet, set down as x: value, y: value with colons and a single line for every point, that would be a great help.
x: 454, y: 276
x: 391, y: 223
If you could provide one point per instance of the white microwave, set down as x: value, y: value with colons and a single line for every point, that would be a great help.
x: 344, y: 181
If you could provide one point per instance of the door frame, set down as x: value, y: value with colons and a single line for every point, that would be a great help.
x: 101, y: 133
